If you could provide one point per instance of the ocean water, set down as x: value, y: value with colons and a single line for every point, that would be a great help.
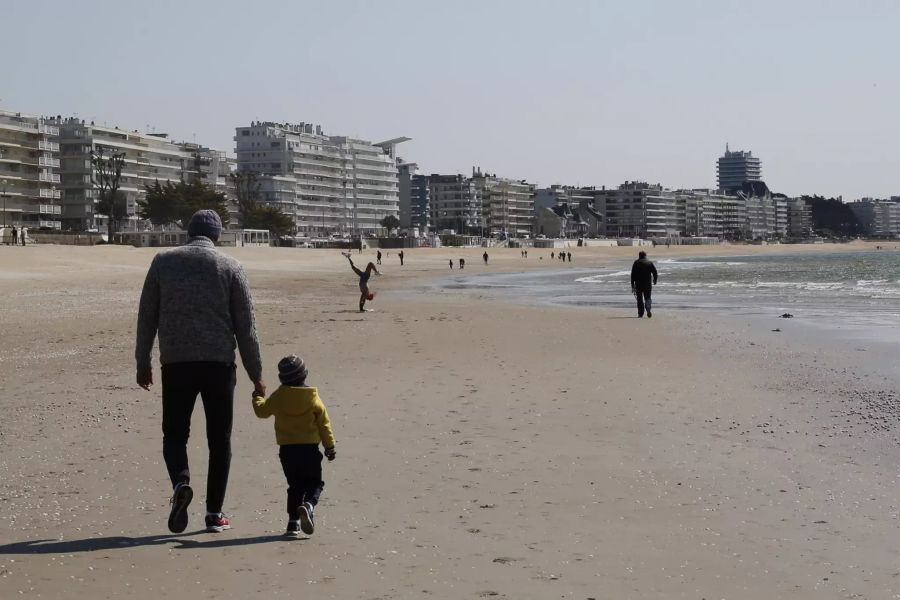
x: 861, y: 288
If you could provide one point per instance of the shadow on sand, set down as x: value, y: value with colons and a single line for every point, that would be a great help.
x: 121, y: 542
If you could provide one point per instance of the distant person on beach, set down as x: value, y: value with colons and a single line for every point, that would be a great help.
x: 643, y: 278
x: 15, y: 234
x: 197, y: 300
x: 552, y: 255
x: 23, y: 235
x: 569, y: 254
x: 401, y: 257
x: 462, y: 263
x: 378, y: 257
x: 485, y: 256
x: 364, y: 293
x: 451, y: 264
x: 301, y: 424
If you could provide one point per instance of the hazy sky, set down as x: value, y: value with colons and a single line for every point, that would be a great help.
x: 578, y: 92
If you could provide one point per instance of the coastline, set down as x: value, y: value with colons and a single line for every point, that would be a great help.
x: 486, y: 449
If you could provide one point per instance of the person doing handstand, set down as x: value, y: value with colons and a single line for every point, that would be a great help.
x: 364, y: 293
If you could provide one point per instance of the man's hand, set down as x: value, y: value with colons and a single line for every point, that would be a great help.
x: 145, y: 378
x: 259, y: 387
x: 330, y: 454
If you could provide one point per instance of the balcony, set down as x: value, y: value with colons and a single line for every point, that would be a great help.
x: 48, y: 130
x: 48, y: 146
x: 46, y: 161
x: 49, y: 177
x: 48, y: 193
x: 50, y: 209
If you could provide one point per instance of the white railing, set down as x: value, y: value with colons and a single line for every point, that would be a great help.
x: 48, y: 146
x: 49, y: 177
x: 47, y: 193
x: 49, y: 129
x: 50, y: 209
x: 48, y: 162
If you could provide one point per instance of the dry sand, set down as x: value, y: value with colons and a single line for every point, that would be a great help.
x: 484, y: 450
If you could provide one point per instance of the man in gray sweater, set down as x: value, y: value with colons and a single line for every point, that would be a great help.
x: 197, y: 300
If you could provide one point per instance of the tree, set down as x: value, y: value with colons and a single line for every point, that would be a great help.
x: 169, y: 203
x: 254, y: 214
x: 270, y: 218
x: 390, y: 223
x: 105, y: 174
x: 832, y: 216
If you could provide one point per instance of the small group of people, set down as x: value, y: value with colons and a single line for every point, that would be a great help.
x: 524, y: 253
x: 17, y: 235
x: 197, y: 301
x: 561, y: 256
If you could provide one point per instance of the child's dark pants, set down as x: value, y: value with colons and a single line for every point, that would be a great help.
x: 302, y: 464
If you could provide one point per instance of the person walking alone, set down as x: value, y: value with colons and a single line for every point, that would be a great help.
x: 197, y: 300
x: 643, y: 278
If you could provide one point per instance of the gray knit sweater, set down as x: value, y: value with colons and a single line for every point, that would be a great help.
x: 198, y: 299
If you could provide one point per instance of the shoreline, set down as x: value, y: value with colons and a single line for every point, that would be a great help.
x: 486, y: 449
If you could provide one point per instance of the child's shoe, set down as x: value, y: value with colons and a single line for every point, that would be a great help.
x: 306, y: 518
x: 217, y: 523
x: 293, y: 529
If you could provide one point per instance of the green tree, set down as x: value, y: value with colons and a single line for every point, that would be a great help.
x: 105, y: 174
x: 270, y: 218
x: 254, y: 214
x: 390, y: 223
x: 169, y: 203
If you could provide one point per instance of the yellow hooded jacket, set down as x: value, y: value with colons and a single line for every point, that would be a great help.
x: 300, y: 416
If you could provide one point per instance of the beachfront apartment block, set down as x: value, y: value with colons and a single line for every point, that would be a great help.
x: 149, y: 157
x: 639, y: 209
x: 507, y: 205
x: 415, y: 198
x: 326, y: 184
x: 879, y: 218
x: 735, y: 167
x: 29, y: 176
x: 456, y: 204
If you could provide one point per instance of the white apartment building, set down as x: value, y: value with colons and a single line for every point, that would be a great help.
x: 148, y: 157
x: 879, y: 218
x: 456, y: 204
x: 327, y: 184
x: 29, y: 178
x: 638, y: 209
x: 508, y: 205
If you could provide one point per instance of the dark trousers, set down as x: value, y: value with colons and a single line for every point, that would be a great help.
x: 302, y: 464
x: 214, y: 382
x: 643, y: 299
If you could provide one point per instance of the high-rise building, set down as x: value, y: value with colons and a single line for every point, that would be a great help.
x: 507, y: 204
x: 638, y: 209
x: 327, y: 184
x: 456, y: 204
x: 879, y: 218
x: 415, y: 198
x: 29, y: 181
x: 734, y: 168
x: 149, y: 157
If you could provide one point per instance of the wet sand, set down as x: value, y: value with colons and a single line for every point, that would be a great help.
x: 485, y: 450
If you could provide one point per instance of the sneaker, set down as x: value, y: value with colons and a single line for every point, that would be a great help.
x: 178, y: 514
x: 217, y: 523
x: 306, y: 518
x: 293, y: 529
x: 649, y: 315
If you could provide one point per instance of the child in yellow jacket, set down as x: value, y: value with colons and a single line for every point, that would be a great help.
x: 301, y: 423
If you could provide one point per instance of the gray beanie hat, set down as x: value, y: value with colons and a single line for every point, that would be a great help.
x: 206, y: 223
x: 291, y: 370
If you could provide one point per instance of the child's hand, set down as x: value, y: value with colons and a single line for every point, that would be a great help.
x: 330, y: 454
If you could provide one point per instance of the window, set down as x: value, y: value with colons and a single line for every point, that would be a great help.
x: 245, y: 133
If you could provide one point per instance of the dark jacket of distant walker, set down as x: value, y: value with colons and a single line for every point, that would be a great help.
x: 198, y: 300
x: 643, y: 274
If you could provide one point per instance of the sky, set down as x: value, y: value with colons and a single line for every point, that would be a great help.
x: 564, y: 91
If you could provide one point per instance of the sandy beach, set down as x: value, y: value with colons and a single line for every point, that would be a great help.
x: 485, y: 449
